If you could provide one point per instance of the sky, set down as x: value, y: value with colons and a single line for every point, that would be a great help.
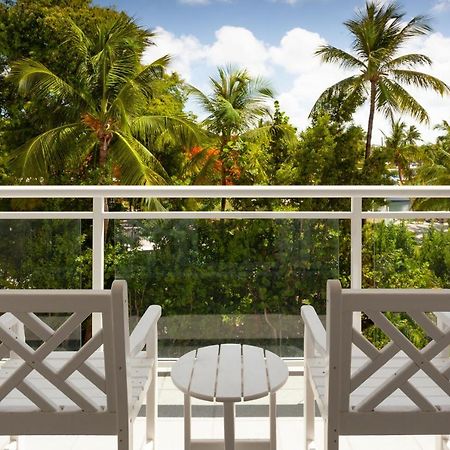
x: 277, y: 39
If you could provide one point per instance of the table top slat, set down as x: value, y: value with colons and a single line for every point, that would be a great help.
x: 229, y: 375
x: 203, y: 380
x: 254, y: 373
x: 277, y: 371
x: 182, y: 371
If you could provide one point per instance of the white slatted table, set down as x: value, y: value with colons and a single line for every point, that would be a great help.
x: 229, y: 373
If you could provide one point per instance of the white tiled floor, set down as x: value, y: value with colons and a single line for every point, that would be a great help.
x: 170, y: 434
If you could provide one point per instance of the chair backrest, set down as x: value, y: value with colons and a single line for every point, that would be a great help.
x: 104, y: 373
x: 344, y: 343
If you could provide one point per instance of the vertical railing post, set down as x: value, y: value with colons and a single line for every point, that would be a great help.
x: 98, y: 254
x: 356, y: 252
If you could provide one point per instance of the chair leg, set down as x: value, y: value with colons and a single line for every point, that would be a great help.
x: 441, y: 442
x: 309, y: 413
x: 152, y: 393
x: 125, y: 437
x: 331, y: 437
x: 152, y: 408
x: 6, y: 441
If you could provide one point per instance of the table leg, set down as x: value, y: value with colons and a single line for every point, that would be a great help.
x: 228, y: 420
x: 187, y: 422
x: 273, y: 421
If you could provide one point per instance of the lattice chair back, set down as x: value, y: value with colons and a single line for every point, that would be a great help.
x: 398, y: 377
x: 49, y: 381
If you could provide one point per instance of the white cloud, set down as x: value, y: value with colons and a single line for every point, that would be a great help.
x: 238, y: 46
x: 185, y: 50
x: 296, y: 73
x: 441, y: 6
x: 296, y: 48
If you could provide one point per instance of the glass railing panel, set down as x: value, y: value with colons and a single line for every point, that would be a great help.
x: 404, y: 254
x: 227, y: 280
x: 45, y: 254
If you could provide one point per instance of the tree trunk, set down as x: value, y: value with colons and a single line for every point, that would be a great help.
x: 104, y: 144
x: 373, y: 93
x: 103, y: 153
x: 223, y: 201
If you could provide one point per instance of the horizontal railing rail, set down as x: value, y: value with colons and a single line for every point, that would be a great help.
x: 99, y: 194
x: 341, y: 191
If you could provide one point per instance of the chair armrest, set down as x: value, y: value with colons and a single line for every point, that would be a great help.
x: 316, y: 328
x: 145, y: 326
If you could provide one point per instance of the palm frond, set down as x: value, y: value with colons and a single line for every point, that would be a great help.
x: 137, y: 164
x: 200, y: 167
x: 202, y: 99
x: 47, y: 151
x: 399, y: 99
x: 77, y: 39
x: 420, y: 79
x: 409, y: 60
x: 347, y: 88
x: 186, y: 132
x: 33, y: 78
x: 330, y: 54
x: 135, y: 91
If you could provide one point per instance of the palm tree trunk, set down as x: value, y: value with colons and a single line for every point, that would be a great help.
x: 103, y: 153
x: 223, y: 201
x: 104, y: 144
x: 373, y: 93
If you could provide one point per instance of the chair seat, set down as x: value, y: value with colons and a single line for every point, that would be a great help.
x: 139, y: 374
x: 397, y: 401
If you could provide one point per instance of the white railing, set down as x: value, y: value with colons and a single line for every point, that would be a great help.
x: 99, y: 194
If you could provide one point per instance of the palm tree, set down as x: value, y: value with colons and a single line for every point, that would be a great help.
x: 235, y: 108
x: 401, y: 144
x: 102, y: 118
x: 379, y: 32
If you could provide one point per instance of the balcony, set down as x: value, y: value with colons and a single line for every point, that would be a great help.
x: 303, y: 222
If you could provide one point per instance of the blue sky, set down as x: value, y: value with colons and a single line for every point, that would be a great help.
x: 277, y: 39
x: 269, y: 19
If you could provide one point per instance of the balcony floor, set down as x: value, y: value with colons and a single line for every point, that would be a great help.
x: 208, y: 423
x: 171, y: 437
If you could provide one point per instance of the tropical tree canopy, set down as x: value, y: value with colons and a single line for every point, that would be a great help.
x: 379, y: 33
x: 102, y: 118
x: 401, y: 145
x: 236, y: 106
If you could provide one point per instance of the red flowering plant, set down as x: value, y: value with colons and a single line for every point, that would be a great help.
x: 210, y: 165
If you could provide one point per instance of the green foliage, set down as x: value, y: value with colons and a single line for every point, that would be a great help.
x: 391, y: 259
x: 44, y: 254
x: 435, y: 252
x: 331, y: 153
x: 36, y: 29
x: 401, y: 146
x: 102, y: 115
x: 223, y: 267
x: 407, y: 326
x: 235, y: 108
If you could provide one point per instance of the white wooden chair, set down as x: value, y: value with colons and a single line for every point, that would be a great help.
x: 360, y: 390
x: 97, y: 390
